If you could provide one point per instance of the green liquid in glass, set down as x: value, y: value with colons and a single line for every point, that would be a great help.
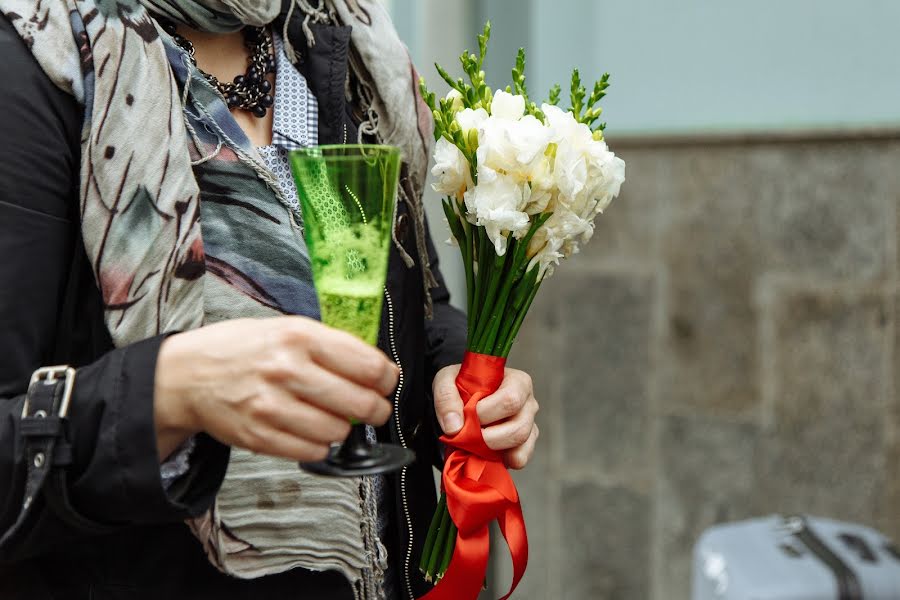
x: 357, y: 314
x: 349, y: 272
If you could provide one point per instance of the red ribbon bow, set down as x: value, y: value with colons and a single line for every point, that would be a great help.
x: 479, y: 489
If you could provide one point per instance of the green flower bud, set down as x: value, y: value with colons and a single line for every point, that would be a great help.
x: 473, y: 140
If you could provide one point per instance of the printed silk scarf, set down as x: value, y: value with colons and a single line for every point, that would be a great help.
x: 140, y: 210
x: 140, y: 196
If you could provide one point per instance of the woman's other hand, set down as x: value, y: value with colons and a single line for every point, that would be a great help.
x: 506, y: 416
x: 285, y: 386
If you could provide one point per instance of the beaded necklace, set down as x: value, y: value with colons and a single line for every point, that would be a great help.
x: 250, y: 91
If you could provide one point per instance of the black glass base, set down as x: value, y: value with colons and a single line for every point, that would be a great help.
x: 380, y: 458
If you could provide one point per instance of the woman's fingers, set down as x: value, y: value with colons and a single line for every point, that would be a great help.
x: 518, y: 458
x: 286, y: 413
x: 349, y: 357
x: 274, y: 442
x: 508, y: 400
x: 448, y: 405
x: 513, y: 432
x: 332, y: 393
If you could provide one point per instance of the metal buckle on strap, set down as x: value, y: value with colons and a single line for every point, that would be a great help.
x: 51, y: 376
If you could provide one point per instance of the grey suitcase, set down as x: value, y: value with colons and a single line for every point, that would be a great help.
x: 795, y: 558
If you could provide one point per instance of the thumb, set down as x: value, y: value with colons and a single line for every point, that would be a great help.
x: 448, y: 404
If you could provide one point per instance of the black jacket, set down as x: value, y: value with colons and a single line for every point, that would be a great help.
x: 51, y: 313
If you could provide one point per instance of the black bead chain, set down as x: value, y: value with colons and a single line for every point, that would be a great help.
x: 250, y: 91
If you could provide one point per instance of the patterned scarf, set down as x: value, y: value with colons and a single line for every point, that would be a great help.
x: 140, y: 210
x: 217, y: 16
x: 152, y: 138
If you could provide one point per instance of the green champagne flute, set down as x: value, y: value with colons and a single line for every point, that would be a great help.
x: 348, y: 194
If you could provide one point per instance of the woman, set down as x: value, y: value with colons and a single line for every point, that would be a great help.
x: 151, y: 240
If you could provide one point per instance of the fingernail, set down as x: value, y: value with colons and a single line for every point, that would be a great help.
x: 452, y: 422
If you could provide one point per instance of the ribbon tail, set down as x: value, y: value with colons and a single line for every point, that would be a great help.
x: 512, y: 526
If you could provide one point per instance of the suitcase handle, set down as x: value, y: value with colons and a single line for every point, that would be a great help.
x: 848, y: 583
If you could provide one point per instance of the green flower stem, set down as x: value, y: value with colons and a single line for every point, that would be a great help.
x: 516, y: 282
x: 437, y: 553
x: 499, y: 268
x: 449, y: 547
x: 520, y: 294
x: 484, y: 339
x: 470, y: 280
x: 469, y: 262
x: 479, y: 242
x: 432, y: 533
x: 510, y: 280
x: 518, y: 321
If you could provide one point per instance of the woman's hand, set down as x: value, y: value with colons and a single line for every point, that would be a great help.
x: 506, y: 416
x: 284, y: 386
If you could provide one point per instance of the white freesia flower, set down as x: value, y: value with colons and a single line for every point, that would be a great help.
x: 570, y: 171
x: 513, y: 147
x: 530, y: 138
x: 507, y: 106
x: 566, y: 128
x: 544, y: 252
x: 451, y: 169
x: 558, y: 238
x: 607, y: 172
x: 494, y: 204
x: 535, y: 199
x: 541, y: 185
x: 471, y: 119
x: 573, y: 141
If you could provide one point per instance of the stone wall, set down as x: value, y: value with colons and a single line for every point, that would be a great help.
x: 724, y: 348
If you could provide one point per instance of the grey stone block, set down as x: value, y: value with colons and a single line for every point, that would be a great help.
x: 889, y: 521
x: 606, y: 534
x: 824, y: 209
x: 825, y: 454
x: 705, y: 477
x: 710, y: 247
x: 894, y: 411
x: 606, y: 369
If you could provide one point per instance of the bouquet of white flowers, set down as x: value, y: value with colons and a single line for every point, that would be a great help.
x: 523, y: 184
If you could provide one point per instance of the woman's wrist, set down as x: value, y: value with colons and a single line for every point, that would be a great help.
x: 172, y: 413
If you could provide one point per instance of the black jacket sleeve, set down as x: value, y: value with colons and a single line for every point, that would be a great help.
x: 115, y: 478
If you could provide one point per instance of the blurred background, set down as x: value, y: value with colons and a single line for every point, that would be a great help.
x: 727, y: 345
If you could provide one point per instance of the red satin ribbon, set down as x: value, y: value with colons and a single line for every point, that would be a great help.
x: 479, y: 489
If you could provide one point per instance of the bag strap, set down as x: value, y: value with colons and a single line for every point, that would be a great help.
x: 44, y: 430
x: 42, y: 427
